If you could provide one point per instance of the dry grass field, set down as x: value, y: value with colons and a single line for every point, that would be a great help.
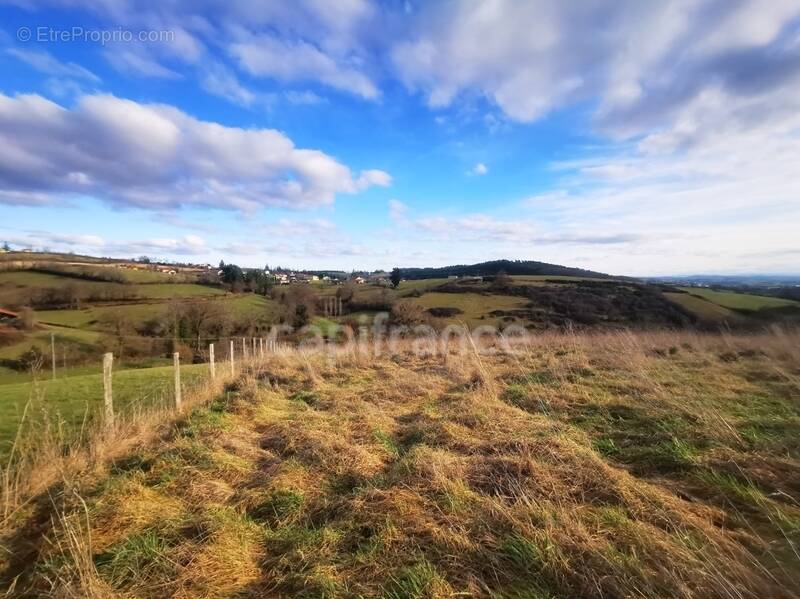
x: 605, y: 465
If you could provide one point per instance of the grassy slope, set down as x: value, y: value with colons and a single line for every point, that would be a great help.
x: 151, y: 276
x: 545, y: 278
x: 473, y: 305
x: 245, y: 304
x: 704, y: 309
x: 739, y: 301
x: 611, y: 466
x: 73, y: 397
x: 16, y: 281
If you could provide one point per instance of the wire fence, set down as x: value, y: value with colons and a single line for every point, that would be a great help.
x: 52, y: 395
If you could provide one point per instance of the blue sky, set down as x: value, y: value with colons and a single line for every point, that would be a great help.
x: 627, y: 137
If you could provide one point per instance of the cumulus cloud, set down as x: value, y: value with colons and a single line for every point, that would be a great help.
x: 651, y: 60
x: 303, y: 40
x: 696, y: 101
x: 155, y: 156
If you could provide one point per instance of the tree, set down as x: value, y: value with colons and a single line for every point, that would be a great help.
x: 301, y: 316
x: 501, y: 280
x: 396, y: 277
x: 194, y: 320
x: 120, y: 328
x: 6, y: 247
x: 346, y: 291
x: 233, y: 276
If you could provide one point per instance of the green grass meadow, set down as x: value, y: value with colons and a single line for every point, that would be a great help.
x: 73, y: 398
x: 704, y: 309
x: 739, y: 301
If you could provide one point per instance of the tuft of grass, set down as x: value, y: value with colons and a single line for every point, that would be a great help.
x: 279, y: 505
x: 307, y: 397
x: 528, y: 555
x: 387, y: 442
x: 143, y: 556
x: 413, y: 582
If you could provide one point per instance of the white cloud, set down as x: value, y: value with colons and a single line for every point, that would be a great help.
x: 697, y: 99
x: 220, y: 81
x: 306, y: 98
x: 479, y: 169
x: 155, y: 156
x: 46, y: 63
x: 373, y: 177
x: 534, y: 57
x: 478, y: 227
x: 165, y: 246
x: 285, y: 60
x: 139, y: 65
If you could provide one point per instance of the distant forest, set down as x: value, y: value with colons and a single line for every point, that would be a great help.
x: 510, y: 267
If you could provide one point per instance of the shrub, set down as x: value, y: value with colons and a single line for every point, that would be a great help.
x: 32, y: 360
x: 407, y: 313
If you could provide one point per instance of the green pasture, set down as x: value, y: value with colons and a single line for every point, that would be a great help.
x: 137, y: 313
x: 71, y: 399
x: 739, y: 301
x: 702, y: 308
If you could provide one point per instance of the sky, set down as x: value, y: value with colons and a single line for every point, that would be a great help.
x: 629, y: 137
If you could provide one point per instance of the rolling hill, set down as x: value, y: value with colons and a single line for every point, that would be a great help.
x: 491, y: 268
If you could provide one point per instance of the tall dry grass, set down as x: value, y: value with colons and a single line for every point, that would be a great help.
x: 463, y: 473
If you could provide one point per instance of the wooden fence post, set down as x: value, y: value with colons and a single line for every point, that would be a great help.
x: 53, y: 352
x: 176, y: 361
x: 244, y: 348
x: 254, y: 347
x: 108, y: 398
x: 261, y: 345
x: 233, y: 368
x: 211, y: 361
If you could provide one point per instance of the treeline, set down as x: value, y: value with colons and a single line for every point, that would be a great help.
x: 239, y: 280
x: 492, y: 268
